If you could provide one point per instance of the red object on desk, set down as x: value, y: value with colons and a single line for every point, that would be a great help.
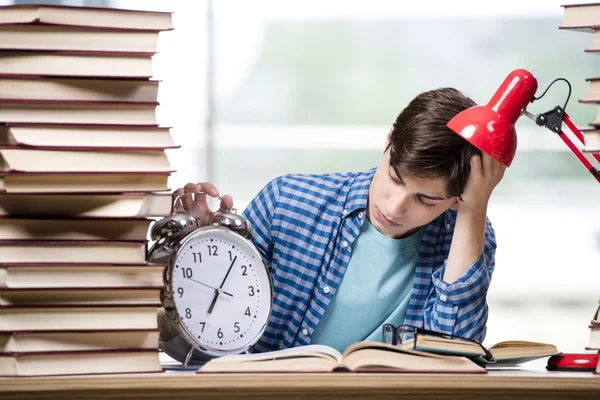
x: 573, y: 362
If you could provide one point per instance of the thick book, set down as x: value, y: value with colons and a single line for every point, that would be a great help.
x: 34, y: 160
x: 29, y: 342
x: 77, y: 317
x: 358, y: 357
x: 76, y: 182
x: 581, y: 16
x: 78, y: 113
x: 55, y: 276
x: 593, y: 94
x: 594, y: 46
x: 79, y: 363
x: 92, y: 205
x: 53, y: 38
x: 38, y: 251
x: 506, y: 353
x: 77, y: 89
x: 596, y: 122
x: 85, y: 137
x: 74, y: 229
x: 85, y: 16
x: 55, y: 63
x: 592, y: 140
x: 78, y: 296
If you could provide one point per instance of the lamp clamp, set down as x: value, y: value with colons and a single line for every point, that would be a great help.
x: 552, y: 119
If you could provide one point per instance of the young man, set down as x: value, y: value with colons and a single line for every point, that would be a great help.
x: 405, y: 243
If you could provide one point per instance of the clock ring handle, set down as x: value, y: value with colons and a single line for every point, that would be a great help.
x: 179, y: 196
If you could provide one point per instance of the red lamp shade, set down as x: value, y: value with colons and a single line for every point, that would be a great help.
x: 491, y: 128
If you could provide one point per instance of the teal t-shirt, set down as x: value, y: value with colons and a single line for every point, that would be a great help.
x: 375, y: 289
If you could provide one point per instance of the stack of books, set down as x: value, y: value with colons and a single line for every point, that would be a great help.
x: 82, y: 168
x: 586, y: 18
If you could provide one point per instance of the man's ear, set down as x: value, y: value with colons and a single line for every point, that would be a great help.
x: 455, y: 205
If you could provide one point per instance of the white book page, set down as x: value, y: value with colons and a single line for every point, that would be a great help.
x: 314, y: 349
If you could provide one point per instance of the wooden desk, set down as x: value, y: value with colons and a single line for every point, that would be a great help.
x: 187, y: 385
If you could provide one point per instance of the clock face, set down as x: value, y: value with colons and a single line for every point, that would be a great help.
x: 221, y: 289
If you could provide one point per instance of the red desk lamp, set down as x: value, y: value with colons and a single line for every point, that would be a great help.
x: 491, y: 128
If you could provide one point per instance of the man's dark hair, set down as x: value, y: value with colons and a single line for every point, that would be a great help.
x: 422, y: 146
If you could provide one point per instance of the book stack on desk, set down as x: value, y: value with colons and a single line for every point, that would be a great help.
x: 83, y: 169
x: 586, y: 18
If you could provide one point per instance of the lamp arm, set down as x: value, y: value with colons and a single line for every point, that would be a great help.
x: 579, y: 135
x: 553, y: 121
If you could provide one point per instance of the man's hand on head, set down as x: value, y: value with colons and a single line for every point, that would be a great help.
x: 485, y: 175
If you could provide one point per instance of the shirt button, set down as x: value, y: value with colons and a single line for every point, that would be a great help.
x: 360, y: 214
x: 345, y: 244
x: 326, y: 289
x: 345, y: 212
x: 448, y: 226
x: 305, y: 332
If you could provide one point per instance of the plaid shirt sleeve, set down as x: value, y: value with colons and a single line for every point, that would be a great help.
x: 460, y: 308
x: 260, y: 213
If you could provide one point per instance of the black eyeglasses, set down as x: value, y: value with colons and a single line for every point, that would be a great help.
x: 393, y: 335
x: 596, y: 317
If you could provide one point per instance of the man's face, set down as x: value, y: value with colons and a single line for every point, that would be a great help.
x: 399, y: 205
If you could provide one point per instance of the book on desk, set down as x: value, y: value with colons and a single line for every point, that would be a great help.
x: 358, y: 357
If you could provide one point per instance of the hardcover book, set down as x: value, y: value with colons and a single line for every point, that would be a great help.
x: 109, y: 18
x: 86, y: 205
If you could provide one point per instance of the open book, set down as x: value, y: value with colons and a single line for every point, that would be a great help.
x: 511, y: 352
x: 359, y: 357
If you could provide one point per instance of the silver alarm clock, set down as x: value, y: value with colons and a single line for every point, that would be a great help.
x: 218, y: 294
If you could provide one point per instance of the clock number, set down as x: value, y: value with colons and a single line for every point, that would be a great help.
x: 180, y: 291
x: 212, y: 250
x: 245, y: 269
x: 203, y: 324
x: 247, y: 311
x: 220, y: 334
x: 187, y: 272
x: 230, y: 255
x: 236, y: 327
x: 251, y: 291
x: 188, y: 313
x: 197, y: 257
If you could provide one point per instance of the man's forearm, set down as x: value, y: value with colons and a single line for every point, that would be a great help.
x: 467, y: 243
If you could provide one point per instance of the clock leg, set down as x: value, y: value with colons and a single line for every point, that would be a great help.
x: 188, y: 356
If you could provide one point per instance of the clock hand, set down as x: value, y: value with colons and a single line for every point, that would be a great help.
x: 217, y: 291
x: 228, y: 271
x: 214, y: 301
x: 224, y: 292
x: 213, y: 288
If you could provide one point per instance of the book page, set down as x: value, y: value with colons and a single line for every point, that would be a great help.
x: 522, y: 351
x: 296, y: 364
x: 312, y: 350
x: 517, y: 343
x: 373, y: 356
x: 387, y: 347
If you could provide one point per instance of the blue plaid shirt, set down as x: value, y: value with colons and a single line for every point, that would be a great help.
x: 304, y: 226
